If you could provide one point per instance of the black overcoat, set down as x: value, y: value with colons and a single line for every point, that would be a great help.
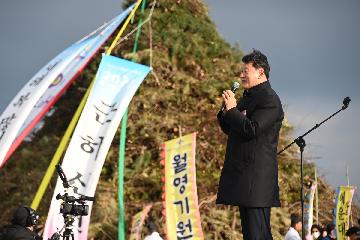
x: 17, y: 232
x: 249, y: 177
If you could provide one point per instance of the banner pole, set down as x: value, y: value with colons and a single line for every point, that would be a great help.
x: 121, y: 227
x: 317, y: 199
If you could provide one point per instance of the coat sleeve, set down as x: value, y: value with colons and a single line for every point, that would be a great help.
x: 266, y: 113
x: 223, y: 125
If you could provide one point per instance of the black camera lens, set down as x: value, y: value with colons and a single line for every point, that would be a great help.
x: 80, y: 210
x: 74, y: 209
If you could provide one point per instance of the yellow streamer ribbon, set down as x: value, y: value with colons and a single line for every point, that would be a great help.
x: 64, y: 141
x: 59, y: 151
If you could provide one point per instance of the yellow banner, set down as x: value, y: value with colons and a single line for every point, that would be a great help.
x: 180, y: 197
x: 138, y: 222
x: 343, y: 209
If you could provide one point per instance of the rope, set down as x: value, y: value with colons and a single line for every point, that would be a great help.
x: 151, y: 53
x: 147, y: 20
x: 108, y: 52
x: 138, y: 27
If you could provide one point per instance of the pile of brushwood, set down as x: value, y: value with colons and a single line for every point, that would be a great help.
x: 192, y: 65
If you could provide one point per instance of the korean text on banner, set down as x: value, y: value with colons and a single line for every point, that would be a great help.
x: 343, y: 209
x: 180, y: 197
x: 138, y: 222
x: 116, y: 83
x: 46, y: 87
x: 17, y: 111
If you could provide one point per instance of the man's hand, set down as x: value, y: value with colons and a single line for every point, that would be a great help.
x: 229, y: 99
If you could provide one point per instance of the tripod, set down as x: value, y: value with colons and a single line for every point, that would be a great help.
x: 68, y: 232
x: 301, y: 144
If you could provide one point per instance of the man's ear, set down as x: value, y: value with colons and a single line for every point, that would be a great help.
x: 261, y: 72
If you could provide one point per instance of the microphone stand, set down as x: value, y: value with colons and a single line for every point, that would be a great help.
x: 301, y: 144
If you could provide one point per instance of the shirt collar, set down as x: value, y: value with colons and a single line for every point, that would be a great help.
x: 257, y: 88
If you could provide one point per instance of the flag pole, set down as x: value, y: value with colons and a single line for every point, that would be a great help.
x: 121, y: 227
x: 317, y: 198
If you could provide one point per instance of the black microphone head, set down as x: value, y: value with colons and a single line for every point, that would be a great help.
x: 235, y: 86
x: 346, y: 102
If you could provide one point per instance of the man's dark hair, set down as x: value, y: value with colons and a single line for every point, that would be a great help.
x: 294, y: 218
x: 330, y: 227
x: 152, y: 227
x: 258, y: 60
x: 25, y: 216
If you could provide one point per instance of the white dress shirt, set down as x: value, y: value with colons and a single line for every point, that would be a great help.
x: 153, y: 236
x: 292, y: 234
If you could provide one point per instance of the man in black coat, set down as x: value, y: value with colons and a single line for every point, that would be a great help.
x: 249, y: 177
x: 22, y: 225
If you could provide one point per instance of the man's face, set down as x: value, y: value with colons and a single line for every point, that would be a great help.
x: 250, y: 75
x: 298, y: 226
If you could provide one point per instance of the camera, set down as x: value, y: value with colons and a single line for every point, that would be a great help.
x: 71, y: 208
x: 74, y: 209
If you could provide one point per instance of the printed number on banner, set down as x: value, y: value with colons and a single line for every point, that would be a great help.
x: 114, y: 79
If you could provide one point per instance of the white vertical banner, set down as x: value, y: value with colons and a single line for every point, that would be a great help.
x: 116, y: 83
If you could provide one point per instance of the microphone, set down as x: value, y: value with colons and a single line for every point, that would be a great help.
x: 346, y: 103
x: 62, y: 176
x: 234, y: 87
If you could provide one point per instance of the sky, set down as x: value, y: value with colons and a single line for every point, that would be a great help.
x: 312, y: 47
x: 313, y: 50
